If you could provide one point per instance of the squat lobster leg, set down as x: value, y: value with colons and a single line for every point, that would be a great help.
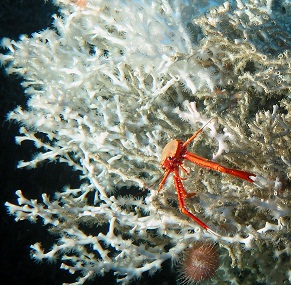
x: 181, y: 199
x: 173, y: 156
x: 203, y: 162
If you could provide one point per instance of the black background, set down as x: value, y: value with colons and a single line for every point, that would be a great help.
x: 16, y: 266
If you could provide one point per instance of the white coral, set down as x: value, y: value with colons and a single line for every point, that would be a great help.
x: 107, y: 88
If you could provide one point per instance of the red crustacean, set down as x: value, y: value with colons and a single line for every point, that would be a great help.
x: 173, y: 156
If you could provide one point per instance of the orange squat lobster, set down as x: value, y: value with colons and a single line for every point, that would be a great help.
x: 173, y: 156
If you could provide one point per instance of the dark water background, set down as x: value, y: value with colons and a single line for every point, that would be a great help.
x: 16, y: 266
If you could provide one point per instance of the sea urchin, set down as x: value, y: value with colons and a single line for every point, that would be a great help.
x: 199, y: 262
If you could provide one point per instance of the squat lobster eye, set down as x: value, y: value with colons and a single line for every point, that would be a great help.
x: 173, y: 156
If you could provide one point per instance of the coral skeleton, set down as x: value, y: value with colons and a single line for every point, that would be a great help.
x: 110, y: 84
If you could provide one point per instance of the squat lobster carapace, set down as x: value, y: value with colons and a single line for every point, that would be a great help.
x: 173, y: 156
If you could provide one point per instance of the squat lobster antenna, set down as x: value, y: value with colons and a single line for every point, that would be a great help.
x: 213, y: 232
x: 195, y: 134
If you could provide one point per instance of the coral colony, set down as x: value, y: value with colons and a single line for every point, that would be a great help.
x: 113, y: 82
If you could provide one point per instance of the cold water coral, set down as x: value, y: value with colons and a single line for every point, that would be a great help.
x: 110, y: 84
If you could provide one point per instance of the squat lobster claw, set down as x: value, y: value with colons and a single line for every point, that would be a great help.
x: 173, y: 156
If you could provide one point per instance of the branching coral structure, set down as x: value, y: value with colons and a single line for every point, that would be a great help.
x: 110, y: 84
